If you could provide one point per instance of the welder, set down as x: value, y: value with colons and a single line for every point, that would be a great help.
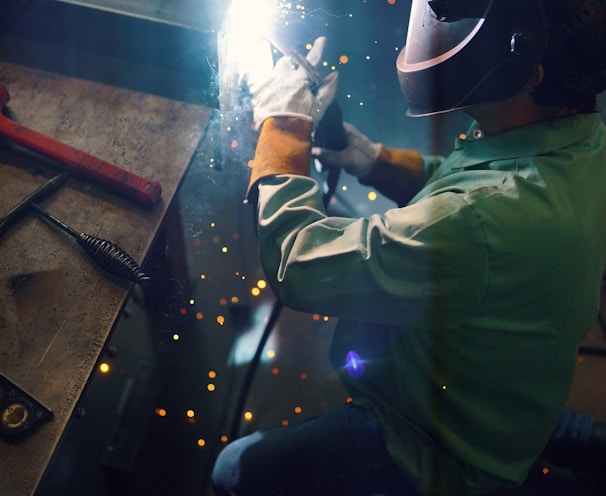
x: 461, y: 310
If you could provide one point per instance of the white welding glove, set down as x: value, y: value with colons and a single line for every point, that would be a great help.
x: 356, y: 159
x: 289, y: 91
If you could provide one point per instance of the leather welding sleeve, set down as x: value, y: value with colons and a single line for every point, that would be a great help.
x: 397, y: 174
x: 284, y: 147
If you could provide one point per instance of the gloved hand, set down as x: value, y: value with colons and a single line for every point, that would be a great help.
x: 287, y: 91
x: 356, y: 159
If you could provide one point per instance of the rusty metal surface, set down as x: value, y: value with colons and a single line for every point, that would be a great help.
x: 57, y: 309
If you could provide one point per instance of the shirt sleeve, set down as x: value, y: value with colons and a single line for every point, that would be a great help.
x: 413, y: 264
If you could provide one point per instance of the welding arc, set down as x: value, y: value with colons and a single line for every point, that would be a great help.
x: 105, y: 254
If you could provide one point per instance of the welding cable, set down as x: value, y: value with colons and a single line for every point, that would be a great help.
x: 329, y: 133
x: 252, y: 369
x: 331, y: 179
x: 332, y: 131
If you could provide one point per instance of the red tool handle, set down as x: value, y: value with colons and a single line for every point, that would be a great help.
x: 145, y: 191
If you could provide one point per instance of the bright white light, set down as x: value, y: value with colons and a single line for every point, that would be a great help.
x: 245, y: 49
x: 247, y: 19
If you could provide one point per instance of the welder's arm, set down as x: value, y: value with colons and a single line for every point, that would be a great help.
x: 397, y: 174
x: 388, y: 268
x: 287, y: 105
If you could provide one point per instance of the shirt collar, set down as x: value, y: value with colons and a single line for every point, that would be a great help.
x: 534, y: 139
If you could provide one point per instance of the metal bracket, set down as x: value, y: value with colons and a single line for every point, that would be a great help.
x: 20, y: 412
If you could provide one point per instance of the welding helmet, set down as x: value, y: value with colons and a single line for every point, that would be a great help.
x: 461, y: 53
x: 575, y: 57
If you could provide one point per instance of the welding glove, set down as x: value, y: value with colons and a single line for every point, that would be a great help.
x: 357, y: 158
x: 289, y: 92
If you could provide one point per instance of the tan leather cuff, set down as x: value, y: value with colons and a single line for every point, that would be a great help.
x: 397, y: 174
x: 284, y: 147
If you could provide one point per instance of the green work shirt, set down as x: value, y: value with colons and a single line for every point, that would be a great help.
x: 465, y: 307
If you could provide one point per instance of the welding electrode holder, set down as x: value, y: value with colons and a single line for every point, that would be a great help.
x: 330, y: 133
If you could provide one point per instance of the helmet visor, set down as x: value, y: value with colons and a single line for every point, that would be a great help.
x: 461, y: 53
x: 438, y: 30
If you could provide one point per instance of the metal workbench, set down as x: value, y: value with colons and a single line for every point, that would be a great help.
x: 57, y: 309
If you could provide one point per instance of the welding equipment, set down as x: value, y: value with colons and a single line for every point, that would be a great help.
x: 461, y: 53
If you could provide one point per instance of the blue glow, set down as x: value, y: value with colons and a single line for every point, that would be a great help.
x: 354, y: 365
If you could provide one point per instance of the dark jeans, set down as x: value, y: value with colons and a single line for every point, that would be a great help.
x: 339, y: 453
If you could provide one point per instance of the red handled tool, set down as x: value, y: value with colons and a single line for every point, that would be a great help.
x: 145, y: 191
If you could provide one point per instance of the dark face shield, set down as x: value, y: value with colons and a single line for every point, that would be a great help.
x: 461, y: 53
x: 436, y: 33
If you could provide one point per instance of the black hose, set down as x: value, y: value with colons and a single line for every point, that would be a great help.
x: 252, y: 369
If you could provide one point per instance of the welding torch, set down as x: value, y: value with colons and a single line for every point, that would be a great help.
x: 329, y: 132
